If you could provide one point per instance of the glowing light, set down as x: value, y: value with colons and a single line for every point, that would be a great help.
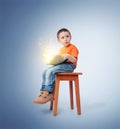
x: 47, y: 57
x: 48, y: 53
x: 48, y: 48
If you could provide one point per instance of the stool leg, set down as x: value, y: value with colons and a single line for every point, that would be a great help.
x: 51, y: 102
x: 55, y: 104
x: 77, y: 95
x: 51, y: 105
x: 71, y: 94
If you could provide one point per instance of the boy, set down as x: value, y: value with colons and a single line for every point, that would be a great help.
x: 69, y: 53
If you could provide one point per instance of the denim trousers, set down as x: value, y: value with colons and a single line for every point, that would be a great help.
x: 48, y: 76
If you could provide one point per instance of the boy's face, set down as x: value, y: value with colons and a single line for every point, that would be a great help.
x: 64, y: 38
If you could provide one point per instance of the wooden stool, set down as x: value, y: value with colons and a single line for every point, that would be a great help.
x: 68, y: 76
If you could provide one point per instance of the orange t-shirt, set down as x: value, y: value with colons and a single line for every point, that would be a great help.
x: 72, y: 50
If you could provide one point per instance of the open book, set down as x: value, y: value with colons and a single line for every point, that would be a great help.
x: 57, y: 59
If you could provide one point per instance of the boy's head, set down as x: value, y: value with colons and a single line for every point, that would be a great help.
x: 64, y: 36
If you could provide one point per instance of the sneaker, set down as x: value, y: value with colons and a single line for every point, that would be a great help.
x: 44, y: 97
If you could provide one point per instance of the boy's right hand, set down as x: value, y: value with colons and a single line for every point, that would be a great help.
x: 69, y: 57
x: 65, y: 56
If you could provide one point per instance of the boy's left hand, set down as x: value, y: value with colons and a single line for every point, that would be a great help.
x: 65, y: 56
x: 69, y: 57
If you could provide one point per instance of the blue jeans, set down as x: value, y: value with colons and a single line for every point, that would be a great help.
x: 49, y: 75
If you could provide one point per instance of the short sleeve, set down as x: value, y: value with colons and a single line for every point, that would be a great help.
x: 74, y: 52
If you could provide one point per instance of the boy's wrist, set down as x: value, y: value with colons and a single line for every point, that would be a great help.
x: 67, y: 56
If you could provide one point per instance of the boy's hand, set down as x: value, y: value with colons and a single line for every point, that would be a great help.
x: 69, y: 57
x: 65, y: 56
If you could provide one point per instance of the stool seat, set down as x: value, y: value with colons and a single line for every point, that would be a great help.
x: 69, y: 73
x: 67, y: 76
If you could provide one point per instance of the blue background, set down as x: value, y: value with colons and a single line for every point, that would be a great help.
x: 26, y: 26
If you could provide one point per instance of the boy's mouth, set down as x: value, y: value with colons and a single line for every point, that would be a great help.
x: 66, y: 43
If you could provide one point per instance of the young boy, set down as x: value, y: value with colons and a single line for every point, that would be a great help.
x: 69, y: 53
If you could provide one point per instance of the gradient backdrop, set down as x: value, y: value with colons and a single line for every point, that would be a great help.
x: 26, y: 27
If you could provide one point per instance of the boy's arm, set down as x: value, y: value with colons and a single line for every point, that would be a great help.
x: 69, y: 57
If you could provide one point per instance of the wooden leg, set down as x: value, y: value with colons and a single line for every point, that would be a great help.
x: 71, y: 94
x: 55, y: 104
x: 51, y: 102
x: 77, y: 95
x: 51, y: 105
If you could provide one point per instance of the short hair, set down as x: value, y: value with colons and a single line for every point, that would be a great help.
x: 63, y: 30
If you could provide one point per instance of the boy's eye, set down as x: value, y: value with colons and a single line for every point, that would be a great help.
x: 67, y: 36
x: 62, y: 37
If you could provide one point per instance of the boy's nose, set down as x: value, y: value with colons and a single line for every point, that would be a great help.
x: 65, y: 38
